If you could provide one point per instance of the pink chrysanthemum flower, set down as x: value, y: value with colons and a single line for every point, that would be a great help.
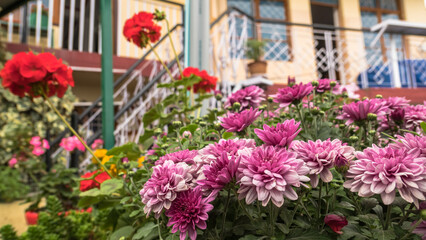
x: 233, y: 147
x: 270, y: 174
x: 296, y: 93
x: 281, y: 135
x: 188, y: 211
x: 414, y: 115
x: 161, y: 189
x: 396, y: 102
x: 385, y: 170
x: 219, y: 173
x: 323, y: 85
x: 358, y: 111
x: 237, y: 122
x: 320, y: 156
x: 185, y: 156
x: 411, y: 143
x: 248, y: 97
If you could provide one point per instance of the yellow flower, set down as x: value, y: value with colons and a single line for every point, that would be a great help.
x: 99, y: 153
x: 105, y: 159
x: 140, y: 161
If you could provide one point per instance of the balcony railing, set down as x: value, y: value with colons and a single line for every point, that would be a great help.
x: 74, y: 24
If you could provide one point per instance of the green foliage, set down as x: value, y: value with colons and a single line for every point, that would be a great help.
x: 7, y: 232
x: 255, y: 49
x: 11, y: 187
x: 58, y: 182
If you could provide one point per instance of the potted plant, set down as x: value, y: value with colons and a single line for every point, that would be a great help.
x: 255, y: 51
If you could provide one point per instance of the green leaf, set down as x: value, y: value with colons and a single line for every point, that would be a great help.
x: 125, y: 231
x: 283, y: 227
x: 144, y: 231
x: 249, y: 237
x: 94, y: 192
x: 309, y: 236
x: 152, y: 115
x: 134, y: 213
x: 227, y: 135
x: 381, y: 234
x: 111, y: 185
x: 203, y: 96
x: 148, y: 133
x: 87, y: 201
x: 124, y: 200
x: 423, y: 126
x: 131, y: 150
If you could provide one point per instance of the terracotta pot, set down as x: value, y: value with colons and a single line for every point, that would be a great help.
x: 257, y: 68
x: 31, y: 217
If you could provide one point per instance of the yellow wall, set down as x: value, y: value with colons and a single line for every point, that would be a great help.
x: 414, y: 11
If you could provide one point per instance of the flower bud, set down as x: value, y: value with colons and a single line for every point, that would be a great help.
x: 131, y: 173
x: 217, y: 126
x: 158, y: 131
x: 372, y: 132
x: 229, y: 108
x: 121, y: 174
x: 159, y: 15
x: 371, y: 116
x: 187, y: 134
x: 333, y: 83
x: 322, y: 113
x: 270, y: 99
x: 353, y: 139
x: 177, y: 124
x: 218, y: 96
x: 379, y: 96
x: 203, y: 124
x: 315, y: 111
x: 315, y: 83
x: 344, y: 94
x: 215, y: 110
x: 325, y: 99
x: 126, y: 165
x: 236, y: 106
x: 282, y: 115
x: 423, y: 214
x: 191, y: 117
x: 340, y: 108
x: 364, y: 98
x: 262, y: 107
x: 165, y: 145
x: 342, y: 126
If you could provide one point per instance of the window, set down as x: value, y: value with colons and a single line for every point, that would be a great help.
x: 274, y: 34
x: 373, y: 12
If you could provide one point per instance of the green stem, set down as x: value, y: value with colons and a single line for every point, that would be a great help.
x: 388, y: 216
x: 161, y: 61
x: 49, y: 102
x: 222, y: 233
x: 173, y: 47
x: 178, y: 137
x: 411, y: 229
x: 305, y: 129
x: 319, y: 199
x: 272, y: 219
x: 159, y: 229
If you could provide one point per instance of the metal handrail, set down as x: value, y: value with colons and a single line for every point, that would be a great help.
x: 86, y: 112
x: 135, y: 98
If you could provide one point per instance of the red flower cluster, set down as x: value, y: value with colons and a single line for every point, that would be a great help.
x: 335, y: 222
x: 89, y: 210
x: 29, y: 73
x: 140, y: 29
x: 207, y: 84
x: 89, y: 184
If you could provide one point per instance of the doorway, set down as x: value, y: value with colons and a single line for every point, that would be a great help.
x: 326, y: 53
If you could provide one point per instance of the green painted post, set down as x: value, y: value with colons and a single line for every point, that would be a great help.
x: 107, y: 76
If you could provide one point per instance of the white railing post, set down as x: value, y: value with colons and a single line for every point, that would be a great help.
x: 61, y: 22
x: 49, y: 24
x: 81, y: 25
x: 38, y: 21
x: 10, y: 28
x: 71, y: 26
x: 91, y: 24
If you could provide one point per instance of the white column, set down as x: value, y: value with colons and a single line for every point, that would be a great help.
x: 38, y: 22
x: 10, y: 28
x: 394, y: 62
x: 49, y: 24
x: 81, y: 25
x: 91, y: 24
x: 61, y: 22
x: 71, y: 26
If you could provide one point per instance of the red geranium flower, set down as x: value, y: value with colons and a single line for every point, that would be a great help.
x: 140, y: 29
x: 89, y: 184
x: 27, y: 73
x: 207, y: 84
x: 335, y: 222
x: 32, y: 217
